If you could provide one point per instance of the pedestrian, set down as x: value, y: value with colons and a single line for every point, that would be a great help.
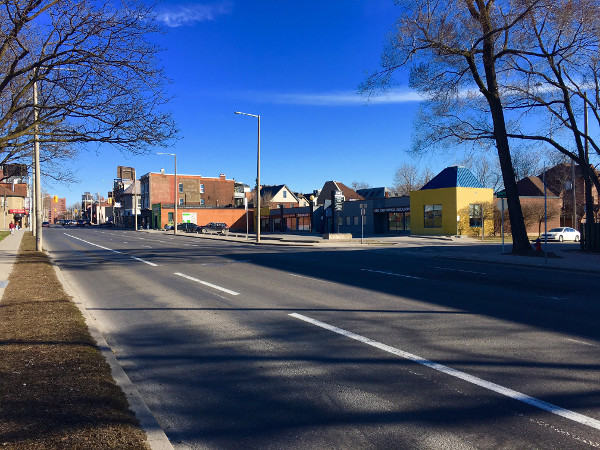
x: 11, y: 226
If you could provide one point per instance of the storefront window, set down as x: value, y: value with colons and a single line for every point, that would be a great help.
x: 399, y: 221
x: 396, y: 221
x: 303, y: 223
x: 475, y: 216
x: 433, y: 216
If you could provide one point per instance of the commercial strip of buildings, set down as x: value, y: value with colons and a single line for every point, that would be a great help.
x: 453, y: 202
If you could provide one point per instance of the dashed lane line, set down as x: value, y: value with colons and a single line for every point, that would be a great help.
x: 392, y: 274
x: 205, y: 283
x: 111, y: 250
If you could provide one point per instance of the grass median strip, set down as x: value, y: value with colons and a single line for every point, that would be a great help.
x: 56, y: 390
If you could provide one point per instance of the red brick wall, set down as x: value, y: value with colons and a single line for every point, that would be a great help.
x: 553, y: 205
x: 217, y: 191
x: 235, y: 218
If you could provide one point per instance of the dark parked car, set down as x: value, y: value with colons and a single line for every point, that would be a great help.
x: 213, y: 227
x: 83, y: 223
x: 188, y: 227
x: 45, y: 224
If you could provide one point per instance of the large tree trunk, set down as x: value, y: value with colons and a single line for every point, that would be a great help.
x: 521, y: 243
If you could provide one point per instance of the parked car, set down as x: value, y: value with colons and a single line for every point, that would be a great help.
x: 45, y: 224
x: 168, y: 226
x: 84, y: 223
x: 188, y: 227
x: 213, y: 227
x: 561, y: 234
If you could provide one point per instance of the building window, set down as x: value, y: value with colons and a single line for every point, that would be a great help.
x: 348, y: 220
x: 433, y: 216
x: 180, y: 202
x: 180, y: 188
x: 284, y: 194
x: 170, y: 219
x: 202, y: 201
x: 202, y: 189
x: 355, y: 220
x: 475, y: 216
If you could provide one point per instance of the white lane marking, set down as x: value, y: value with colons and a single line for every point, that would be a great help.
x: 205, y: 283
x: 145, y: 262
x: 582, y: 342
x: 457, y: 270
x: 393, y: 274
x: 559, y: 411
x: 311, y: 278
x: 95, y: 245
x: 146, y: 246
x: 551, y: 297
x: 114, y: 251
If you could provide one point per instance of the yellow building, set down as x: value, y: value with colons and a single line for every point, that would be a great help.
x: 437, y: 207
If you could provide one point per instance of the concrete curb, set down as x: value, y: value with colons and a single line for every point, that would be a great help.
x: 9, y: 248
x: 157, y: 439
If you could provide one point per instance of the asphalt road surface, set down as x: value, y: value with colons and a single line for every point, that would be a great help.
x: 233, y: 345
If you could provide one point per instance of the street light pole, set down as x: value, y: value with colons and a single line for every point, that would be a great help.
x: 175, y: 194
x: 38, y: 188
x: 134, y: 201
x: 257, y: 177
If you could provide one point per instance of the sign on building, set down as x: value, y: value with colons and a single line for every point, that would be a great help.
x: 189, y: 218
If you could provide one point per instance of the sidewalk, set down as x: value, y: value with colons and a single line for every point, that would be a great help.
x: 565, y: 256
x: 9, y: 247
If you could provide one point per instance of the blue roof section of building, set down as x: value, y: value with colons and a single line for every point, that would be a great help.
x: 455, y: 176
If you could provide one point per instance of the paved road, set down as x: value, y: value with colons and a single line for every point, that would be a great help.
x: 236, y: 345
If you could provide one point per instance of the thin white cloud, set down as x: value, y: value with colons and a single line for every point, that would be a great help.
x: 347, y: 98
x: 190, y: 14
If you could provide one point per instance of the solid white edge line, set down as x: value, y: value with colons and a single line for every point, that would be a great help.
x: 393, y: 274
x: 205, y: 283
x: 554, y: 409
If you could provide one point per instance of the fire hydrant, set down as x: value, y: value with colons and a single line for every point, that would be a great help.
x: 538, y: 245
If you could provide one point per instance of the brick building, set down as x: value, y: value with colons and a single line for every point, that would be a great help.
x: 561, y: 179
x: 193, y: 191
x: 14, y: 208
x: 54, y: 208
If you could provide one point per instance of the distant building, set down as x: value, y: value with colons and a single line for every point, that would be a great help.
x: 372, y: 193
x: 86, y: 204
x: 13, y: 204
x: 435, y: 208
x: 54, y: 208
x: 192, y: 191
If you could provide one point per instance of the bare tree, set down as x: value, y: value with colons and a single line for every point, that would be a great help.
x: 406, y: 179
x: 536, y: 213
x: 456, y: 50
x: 356, y: 185
x: 560, y: 73
x: 96, y: 73
x: 485, y: 169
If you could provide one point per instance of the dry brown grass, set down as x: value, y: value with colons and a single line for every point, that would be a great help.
x: 56, y: 390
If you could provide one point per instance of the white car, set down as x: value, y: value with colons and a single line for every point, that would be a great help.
x: 561, y: 234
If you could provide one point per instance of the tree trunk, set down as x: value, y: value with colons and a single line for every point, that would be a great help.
x: 521, y: 243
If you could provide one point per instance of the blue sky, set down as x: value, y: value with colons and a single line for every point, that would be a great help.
x: 298, y: 65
